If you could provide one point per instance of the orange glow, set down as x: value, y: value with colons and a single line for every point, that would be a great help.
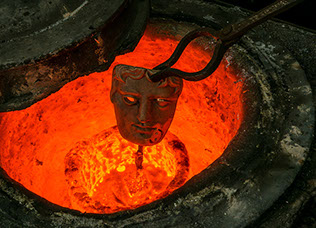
x: 38, y: 143
x: 103, y: 178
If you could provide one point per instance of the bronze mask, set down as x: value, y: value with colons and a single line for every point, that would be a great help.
x: 144, y: 110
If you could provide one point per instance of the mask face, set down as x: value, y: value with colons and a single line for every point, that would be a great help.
x: 144, y: 110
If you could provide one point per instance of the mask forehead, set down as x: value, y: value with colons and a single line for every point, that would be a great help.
x: 143, y: 87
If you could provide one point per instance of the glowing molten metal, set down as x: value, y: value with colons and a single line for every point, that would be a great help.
x: 103, y: 177
x: 65, y: 148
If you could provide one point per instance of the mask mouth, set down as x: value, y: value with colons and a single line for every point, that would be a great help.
x: 144, y: 129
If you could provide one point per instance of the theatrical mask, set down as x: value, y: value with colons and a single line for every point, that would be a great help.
x: 144, y: 110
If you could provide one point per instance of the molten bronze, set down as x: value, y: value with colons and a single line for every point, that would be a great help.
x: 144, y: 110
x: 101, y: 177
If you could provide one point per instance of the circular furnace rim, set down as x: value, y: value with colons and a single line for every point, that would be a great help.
x: 156, y: 213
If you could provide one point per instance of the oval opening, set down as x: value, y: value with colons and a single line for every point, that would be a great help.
x: 37, y: 142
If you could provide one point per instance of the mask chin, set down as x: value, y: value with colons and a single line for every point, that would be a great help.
x: 157, y: 136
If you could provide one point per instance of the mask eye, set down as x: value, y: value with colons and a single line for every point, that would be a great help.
x: 129, y: 100
x: 162, y: 102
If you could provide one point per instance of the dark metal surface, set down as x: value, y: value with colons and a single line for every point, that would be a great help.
x: 30, y: 30
x: 40, y: 53
x: 143, y: 109
x: 225, y: 38
x: 139, y: 157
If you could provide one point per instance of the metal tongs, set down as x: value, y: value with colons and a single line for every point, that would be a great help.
x: 224, y: 38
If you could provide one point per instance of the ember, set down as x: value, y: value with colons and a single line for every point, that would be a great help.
x: 36, y: 141
x: 103, y: 178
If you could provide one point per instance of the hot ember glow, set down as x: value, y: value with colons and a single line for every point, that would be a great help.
x: 103, y: 178
x: 65, y: 149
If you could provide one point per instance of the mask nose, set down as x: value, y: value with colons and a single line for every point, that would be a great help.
x: 144, y: 111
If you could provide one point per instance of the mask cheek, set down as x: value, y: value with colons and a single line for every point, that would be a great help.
x: 166, y: 117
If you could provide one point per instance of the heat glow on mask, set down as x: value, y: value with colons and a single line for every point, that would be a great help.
x: 38, y: 143
x: 144, y: 110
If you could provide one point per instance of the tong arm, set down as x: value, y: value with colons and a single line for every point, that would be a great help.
x: 225, y: 38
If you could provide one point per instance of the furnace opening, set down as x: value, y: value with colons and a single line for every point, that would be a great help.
x: 39, y: 145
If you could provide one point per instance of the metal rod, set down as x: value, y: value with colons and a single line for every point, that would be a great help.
x: 139, y: 157
x: 239, y: 29
x: 184, y: 42
x: 226, y: 37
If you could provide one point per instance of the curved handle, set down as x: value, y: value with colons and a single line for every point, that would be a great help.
x: 218, y: 54
x: 226, y: 37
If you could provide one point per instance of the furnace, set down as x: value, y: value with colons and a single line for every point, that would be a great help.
x: 237, y: 142
x: 48, y: 134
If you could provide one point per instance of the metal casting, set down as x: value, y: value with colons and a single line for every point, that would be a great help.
x: 144, y: 109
